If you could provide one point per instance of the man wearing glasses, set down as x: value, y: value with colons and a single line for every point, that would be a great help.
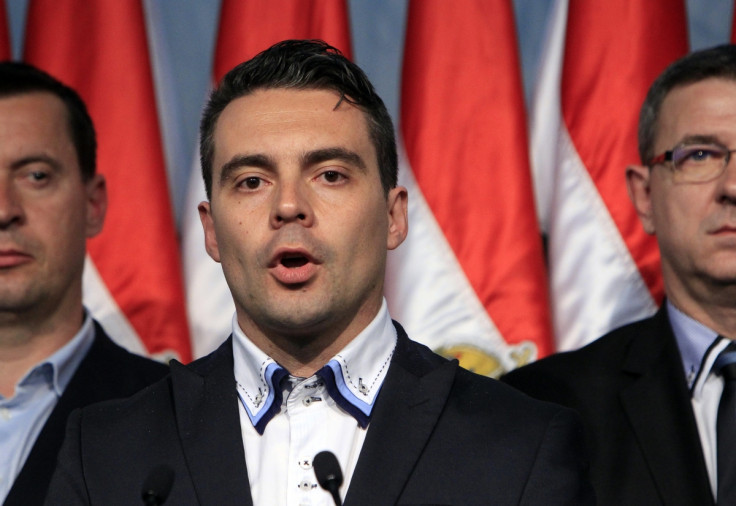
x: 655, y: 395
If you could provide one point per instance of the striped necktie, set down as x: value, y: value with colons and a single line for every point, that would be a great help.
x: 725, y: 365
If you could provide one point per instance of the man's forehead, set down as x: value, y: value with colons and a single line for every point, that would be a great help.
x: 281, y: 112
x: 703, y: 107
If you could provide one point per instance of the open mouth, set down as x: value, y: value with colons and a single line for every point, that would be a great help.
x: 292, y: 262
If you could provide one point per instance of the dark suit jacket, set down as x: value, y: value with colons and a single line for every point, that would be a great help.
x: 630, y: 388
x: 438, y: 435
x: 107, y: 372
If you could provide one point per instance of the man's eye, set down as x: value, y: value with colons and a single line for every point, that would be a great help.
x: 701, y: 154
x: 251, y: 183
x: 332, y: 176
x: 38, y: 175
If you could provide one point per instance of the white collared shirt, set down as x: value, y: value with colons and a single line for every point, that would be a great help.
x: 23, y: 415
x: 699, y: 347
x: 279, y: 462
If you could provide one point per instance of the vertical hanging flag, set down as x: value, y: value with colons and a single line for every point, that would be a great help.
x: 132, y: 280
x: 246, y: 28
x: 5, y: 51
x: 601, y: 59
x: 470, y: 280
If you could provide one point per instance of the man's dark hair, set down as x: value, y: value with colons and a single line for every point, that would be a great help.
x: 716, y: 62
x: 17, y: 78
x: 303, y: 65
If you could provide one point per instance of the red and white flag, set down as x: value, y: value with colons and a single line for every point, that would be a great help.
x: 132, y: 281
x: 470, y: 280
x: 246, y: 28
x: 5, y: 51
x: 601, y: 59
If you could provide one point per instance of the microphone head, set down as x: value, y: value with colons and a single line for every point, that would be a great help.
x: 158, y: 485
x: 327, y: 470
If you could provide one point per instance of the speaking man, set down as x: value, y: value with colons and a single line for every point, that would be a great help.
x: 299, y: 161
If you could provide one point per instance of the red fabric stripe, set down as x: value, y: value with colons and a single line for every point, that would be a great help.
x: 247, y: 28
x: 100, y: 49
x: 5, y: 51
x: 613, y: 52
x: 463, y: 125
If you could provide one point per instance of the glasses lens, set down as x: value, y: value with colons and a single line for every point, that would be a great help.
x: 698, y: 162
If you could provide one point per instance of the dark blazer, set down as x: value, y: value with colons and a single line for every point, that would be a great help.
x: 438, y: 435
x: 630, y: 388
x: 107, y: 372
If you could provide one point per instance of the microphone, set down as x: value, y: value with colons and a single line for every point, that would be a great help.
x: 329, y: 475
x: 157, y: 486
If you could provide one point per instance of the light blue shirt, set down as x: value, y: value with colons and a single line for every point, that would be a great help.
x: 694, y: 341
x: 23, y: 415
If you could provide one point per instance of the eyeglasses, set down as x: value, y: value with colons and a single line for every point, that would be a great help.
x: 695, y: 163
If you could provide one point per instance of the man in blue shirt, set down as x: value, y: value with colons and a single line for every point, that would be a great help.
x: 53, y: 356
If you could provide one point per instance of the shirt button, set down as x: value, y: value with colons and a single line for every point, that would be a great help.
x: 305, y: 464
x: 5, y: 413
x: 305, y: 485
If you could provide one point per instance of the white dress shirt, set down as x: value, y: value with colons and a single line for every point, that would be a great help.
x: 699, y: 348
x: 279, y: 461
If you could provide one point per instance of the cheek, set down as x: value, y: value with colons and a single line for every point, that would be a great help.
x: 679, y: 219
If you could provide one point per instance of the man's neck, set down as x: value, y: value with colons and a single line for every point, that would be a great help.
x: 304, y: 353
x: 714, y: 307
x: 26, y: 340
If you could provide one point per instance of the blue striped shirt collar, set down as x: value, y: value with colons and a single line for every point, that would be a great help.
x: 359, y: 368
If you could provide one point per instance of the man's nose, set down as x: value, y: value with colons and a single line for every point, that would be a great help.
x: 292, y: 204
x: 11, y: 211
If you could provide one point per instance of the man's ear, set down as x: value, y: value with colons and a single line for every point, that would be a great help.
x: 638, y: 187
x: 96, y: 195
x: 210, y: 238
x: 398, y: 216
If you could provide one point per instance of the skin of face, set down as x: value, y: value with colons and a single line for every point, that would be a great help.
x: 299, y: 220
x: 695, y: 223
x: 46, y: 214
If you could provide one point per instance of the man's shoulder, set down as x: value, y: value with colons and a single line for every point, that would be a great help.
x: 157, y: 394
x: 107, y: 358
x: 490, y: 398
x: 601, y: 361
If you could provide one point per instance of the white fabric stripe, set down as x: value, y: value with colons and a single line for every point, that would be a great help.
x: 100, y: 303
x: 210, y: 306
x: 596, y: 286
x: 594, y: 282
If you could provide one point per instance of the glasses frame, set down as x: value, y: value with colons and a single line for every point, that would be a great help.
x: 667, y: 157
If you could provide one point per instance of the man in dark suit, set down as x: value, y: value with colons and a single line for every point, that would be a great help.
x: 649, y: 392
x: 300, y: 167
x: 53, y: 356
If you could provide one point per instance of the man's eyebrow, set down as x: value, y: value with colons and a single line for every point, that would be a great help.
x: 701, y: 139
x: 341, y: 154
x: 238, y: 161
x: 28, y: 160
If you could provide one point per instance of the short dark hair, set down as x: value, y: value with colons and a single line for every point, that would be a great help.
x: 303, y: 65
x: 18, y: 78
x: 716, y: 62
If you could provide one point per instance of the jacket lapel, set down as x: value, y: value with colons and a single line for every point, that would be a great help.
x: 408, y: 407
x: 209, y: 426
x: 664, y: 424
